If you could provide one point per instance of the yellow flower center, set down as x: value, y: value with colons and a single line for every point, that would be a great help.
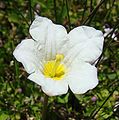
x: 54, y: 69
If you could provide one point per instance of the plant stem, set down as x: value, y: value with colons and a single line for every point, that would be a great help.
x: 84, y: 10
x: 93, y: 13
x: 67, y: 7
x: 16, y: 64
x: 91, y: 6
x: 30, y: 11
x: 55, y: 10
x: 44, y: 113
x: 96, y: 111
x: 62, y: 10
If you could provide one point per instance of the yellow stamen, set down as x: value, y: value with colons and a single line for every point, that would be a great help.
x: 55, y: 69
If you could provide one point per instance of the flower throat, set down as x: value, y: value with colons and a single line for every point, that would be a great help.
x: 54, y: 69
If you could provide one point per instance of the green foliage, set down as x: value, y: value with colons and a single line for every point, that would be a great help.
x: 21, y: 99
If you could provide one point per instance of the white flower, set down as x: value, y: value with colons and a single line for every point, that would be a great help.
x: 57, y: 60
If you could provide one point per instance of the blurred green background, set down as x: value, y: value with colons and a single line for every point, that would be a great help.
x: 21, y: 99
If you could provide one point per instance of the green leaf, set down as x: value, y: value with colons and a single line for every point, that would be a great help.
x: 112, y: 76
x: 63, y: 100
x: 13, y: 16
x: 3, y: 116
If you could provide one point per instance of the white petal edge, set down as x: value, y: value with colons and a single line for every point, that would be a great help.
x: 24, y: 53
x: 49, y: 86
x: 82, y: 78
x: 38, y: 28
x: 37, y: 77
x: 55, y: 87
x: 51, y: 36
x: 87, y: 43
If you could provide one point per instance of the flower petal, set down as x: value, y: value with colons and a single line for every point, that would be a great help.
x: 51, y: 36
x: 49, y: 86
x: 86, y: 43
x: 82, y: 78
x: 55, y: 87
x: 39, y: 27
x: 25, y: 53
x: 37, y: 77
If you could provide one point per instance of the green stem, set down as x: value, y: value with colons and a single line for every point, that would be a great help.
x: 44, y: 113
x: 96, y: 111
x: 16, y: 64
x: 84, y: 11
x: 30, y: 11
x: 67, y: 7
x: 55, y: 10
x: 93, y: 13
